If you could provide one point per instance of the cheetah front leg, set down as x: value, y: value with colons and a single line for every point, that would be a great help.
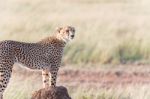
x: 45, y: 76
x: 54, y: 77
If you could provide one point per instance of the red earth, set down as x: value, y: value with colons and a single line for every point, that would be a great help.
x: 100, y: 77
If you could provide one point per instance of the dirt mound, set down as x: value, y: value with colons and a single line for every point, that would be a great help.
x: 59, y: 92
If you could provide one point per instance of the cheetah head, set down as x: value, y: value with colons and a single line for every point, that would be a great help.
x: 66, y: 33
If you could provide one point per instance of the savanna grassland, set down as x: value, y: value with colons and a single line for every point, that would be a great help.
x: 108, y: 33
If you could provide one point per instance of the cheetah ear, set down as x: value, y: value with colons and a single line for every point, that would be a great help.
x: 58, y: 29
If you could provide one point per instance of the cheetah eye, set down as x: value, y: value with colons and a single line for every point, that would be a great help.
x: 73, y: 30
x: 67, y: 30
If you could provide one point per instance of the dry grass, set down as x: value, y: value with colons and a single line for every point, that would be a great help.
x: 22, y: 87
x: 108, y: 31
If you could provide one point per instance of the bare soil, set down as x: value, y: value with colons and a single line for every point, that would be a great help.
x: 103, y: 79
x: 99, y: 77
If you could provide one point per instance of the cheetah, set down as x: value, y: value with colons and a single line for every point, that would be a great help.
x: 44, y: 55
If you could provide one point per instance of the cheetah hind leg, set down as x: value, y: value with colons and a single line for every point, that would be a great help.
x: 1, y: 95
x: 4, y: 79
x: 45, y: 76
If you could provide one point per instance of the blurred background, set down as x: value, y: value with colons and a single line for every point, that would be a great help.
x: 109, y: 57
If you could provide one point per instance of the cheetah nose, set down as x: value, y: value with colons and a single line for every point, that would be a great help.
x: 72, y: 36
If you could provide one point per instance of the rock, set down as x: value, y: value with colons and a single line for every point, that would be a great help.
x: 58, y: 92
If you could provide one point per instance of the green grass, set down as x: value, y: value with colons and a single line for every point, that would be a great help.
x: 107, y: 31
